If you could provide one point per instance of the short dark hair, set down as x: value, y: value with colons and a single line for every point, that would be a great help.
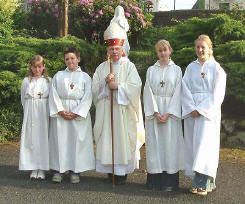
x: 72, y: 50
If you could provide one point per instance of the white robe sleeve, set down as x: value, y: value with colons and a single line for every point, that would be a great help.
x: 210, y: 106
x: 188, y: 104
x: 174, y: 108
x: 122, y: 99
x: 85, y: 103
x: 98, y: 86
x: 150, y: 105
x: 104, y: 90
x: 132, y: 87
x: 24, y: 85
x: 55, y: 103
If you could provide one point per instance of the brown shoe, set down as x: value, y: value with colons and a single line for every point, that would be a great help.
x: 193, y: 190
x: 201, y: 191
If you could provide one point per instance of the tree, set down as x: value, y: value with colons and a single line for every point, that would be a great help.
x: 63, y: 18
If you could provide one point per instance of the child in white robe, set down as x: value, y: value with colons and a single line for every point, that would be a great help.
x: 71, y: 143
x: 164, y: 136
x: 34, y: 149
x: 203, y: 90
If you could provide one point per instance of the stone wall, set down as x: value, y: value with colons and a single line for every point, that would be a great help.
x: 233, y: 132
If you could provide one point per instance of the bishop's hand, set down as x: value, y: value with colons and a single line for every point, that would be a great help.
x: 110, y: 77
x: 195, y: 114
x: 113, y: 85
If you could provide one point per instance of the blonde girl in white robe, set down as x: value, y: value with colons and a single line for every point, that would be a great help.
x: 34, y: 148
x: 71, y: 142
x: 164, y: 136
x: 203, y: 90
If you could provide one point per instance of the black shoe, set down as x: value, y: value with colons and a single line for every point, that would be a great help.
x: 120, y: 180
x: 109, y: 177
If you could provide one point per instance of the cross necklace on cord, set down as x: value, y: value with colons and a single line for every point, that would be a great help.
x: 40, y: 94
x: 202, y: 72
x: 72, y: 84
x: 162, y: 83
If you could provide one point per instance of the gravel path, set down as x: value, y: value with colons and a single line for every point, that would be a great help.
x: 15, y: 186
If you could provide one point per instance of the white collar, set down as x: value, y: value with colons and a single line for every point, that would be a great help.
x: 121, y: 60
x: 77, y: 70
x: 169, y: 63
x: 210, y: 59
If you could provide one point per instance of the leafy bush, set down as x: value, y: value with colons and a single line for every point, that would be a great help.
x: 227, y: 29
x: 184, y: 56
x: 142, y: 60
x: 15, y: 55
x: 9, y: 87
x: 231, y: 55
x: 90, y: 18
x: 220, y: 27
x: 233, y: 51
x: 151, y: 35
x: 9, y: 6
x: 10, y: 122
x: 5, y: 25
x: 39, y: 20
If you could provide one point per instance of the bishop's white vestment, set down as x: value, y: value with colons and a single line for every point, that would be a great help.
x: 34, y: 147
x: 71, y: 142
x: 128, y: 121
x: 203, y: 89
x: 164, y: 142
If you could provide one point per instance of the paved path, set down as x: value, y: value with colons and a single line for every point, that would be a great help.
x: 15, y: 186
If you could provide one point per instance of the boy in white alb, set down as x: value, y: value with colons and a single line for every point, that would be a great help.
x: 71, y: 143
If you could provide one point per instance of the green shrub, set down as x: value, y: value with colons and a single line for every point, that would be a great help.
x: 231, y: 55
x: 5, y: 25
x: 220, y: 27
x: 233, y: 51
x: 184, y: 56
x: 143, y: 60
x: 9, y: 6
x: 15, y: 55
x: 235, y: 79
x: 89, y: 19
x: 150, y: 36
x: 15, y: 60
x: 10, y: 122
x: 9, y: 87
x: 40, y: 19
x: 227, y: 29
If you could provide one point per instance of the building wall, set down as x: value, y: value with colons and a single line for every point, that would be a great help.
x: 215, y: 4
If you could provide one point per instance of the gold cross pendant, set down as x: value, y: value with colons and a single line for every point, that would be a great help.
x: 40, y: 95
x: 202, y: 74
x: 72, y: 85
x: 162, y: 83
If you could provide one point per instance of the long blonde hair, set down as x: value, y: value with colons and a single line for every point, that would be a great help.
x: 206, y: 39
x: 161, y: 43
x: 33, y: 61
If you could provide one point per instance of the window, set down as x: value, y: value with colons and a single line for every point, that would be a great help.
x: 224, y: 6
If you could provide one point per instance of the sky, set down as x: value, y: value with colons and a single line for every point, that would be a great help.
x: 180, y: 4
